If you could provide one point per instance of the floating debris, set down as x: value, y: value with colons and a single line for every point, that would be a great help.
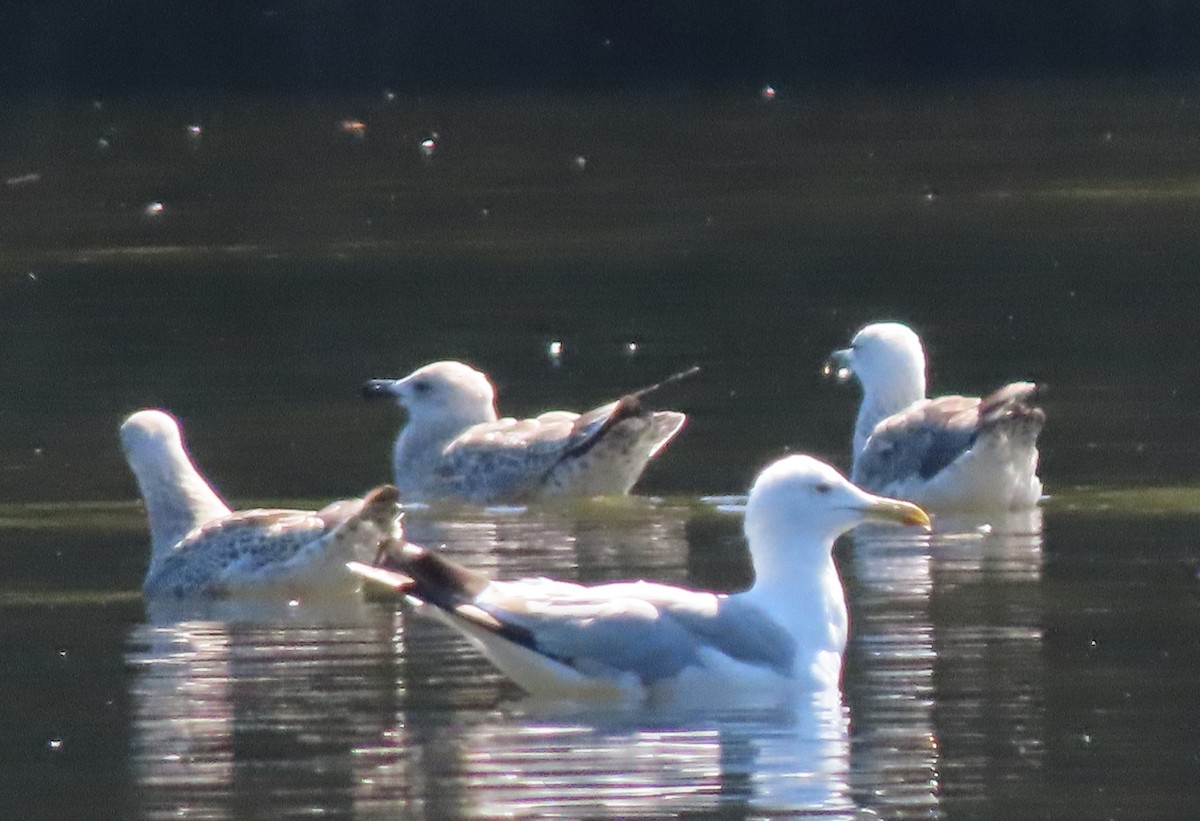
x: 354, y: 128
x: 768, y: 93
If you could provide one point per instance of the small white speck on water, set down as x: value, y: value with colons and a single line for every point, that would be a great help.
x: 984, y: 530
x: 389, y: 95
x: 194, y: 131
x: 103, y: 144
x: 428, y: 146
x: 631, y: 348
x: 580, y: 162
x: 31, y: 276
x: 768, y: 93
x: 155, y: 209
x: 293, y: 602
x: 55, y: 744
x: 555, y: 349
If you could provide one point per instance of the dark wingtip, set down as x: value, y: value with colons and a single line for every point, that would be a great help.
x: 675, y: 377
x: 383, y: 495
x: 1011, y: 406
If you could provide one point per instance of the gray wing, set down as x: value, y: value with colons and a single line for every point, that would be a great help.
x: 650, y: 630
x: 653, y: 631
x: 924, y: 438
x: 920, y: 440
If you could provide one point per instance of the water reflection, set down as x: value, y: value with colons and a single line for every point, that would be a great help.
x: 524, y: 761
x: 255, y: 711
x: 947, y: 644
x: 587, y: 540
x: 989, y: 680
x: 373, y: 710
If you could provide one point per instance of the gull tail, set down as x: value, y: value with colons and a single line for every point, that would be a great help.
x: 1010, y: 410
x: 428, y: 578
x: 629, y: 406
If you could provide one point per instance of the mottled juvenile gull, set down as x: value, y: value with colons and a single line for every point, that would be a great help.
x: 947, y: 453
x: 645, y: 641
x: 198, y: 547
x: 454, y: 447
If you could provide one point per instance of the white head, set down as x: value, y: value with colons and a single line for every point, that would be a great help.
x: 442, y: 392
x: 148, y: 437
x: 889, y: 362
x: 799, y: 505
x: 177, y: 497
x: 884, y: 354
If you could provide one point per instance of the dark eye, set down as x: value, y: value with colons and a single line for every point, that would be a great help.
x: 422, y: 387
x: 823, y: 488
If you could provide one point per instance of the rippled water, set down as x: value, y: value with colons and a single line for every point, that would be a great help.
x: 1037, y: 667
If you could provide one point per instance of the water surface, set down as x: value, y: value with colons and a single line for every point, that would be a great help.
x: 1042, y: 667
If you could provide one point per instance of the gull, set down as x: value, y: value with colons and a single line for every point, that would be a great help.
x: 454, y: 448
x: 641, y: 641
x: 947, y: 453
x: 199, y: 547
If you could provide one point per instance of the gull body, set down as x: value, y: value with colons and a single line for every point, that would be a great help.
x: 455, y: 447
x: 199, y: 547
x: 643, y: 641
x: 945, y: 453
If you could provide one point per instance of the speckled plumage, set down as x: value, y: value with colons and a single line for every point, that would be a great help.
x: 200, y: 548
x: 455, y: 448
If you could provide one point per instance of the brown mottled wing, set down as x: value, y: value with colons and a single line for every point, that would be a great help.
x: 249, y: 540
x: 919, y: 441
x: 505, y: 460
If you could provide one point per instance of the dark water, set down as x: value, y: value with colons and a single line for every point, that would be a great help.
x: 1038, y: 668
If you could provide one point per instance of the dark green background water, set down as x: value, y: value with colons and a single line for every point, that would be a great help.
x: 1042, y: 231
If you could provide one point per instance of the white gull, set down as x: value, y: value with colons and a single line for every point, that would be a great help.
x: 201, y: 548
x: 453, y: 446
x: 642, y: 641
x: 946, y: 453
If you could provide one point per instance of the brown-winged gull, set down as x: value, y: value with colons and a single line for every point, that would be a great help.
x: 633, y: 641
x: 201, y: 548
x: 946, y: 453
x: 453, y: 446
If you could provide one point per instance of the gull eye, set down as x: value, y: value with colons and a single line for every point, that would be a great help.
x: 823, y: 488
x: 421, y: 387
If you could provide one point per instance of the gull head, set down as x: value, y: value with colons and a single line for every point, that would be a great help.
x: 880, y: 354
x: 802, y: 498
x: 440, y: 390
x: 147, y: 435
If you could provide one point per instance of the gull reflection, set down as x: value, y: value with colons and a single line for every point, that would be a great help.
x: 588, y: 540
x: 245, y: 709
x: 533, y: 759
